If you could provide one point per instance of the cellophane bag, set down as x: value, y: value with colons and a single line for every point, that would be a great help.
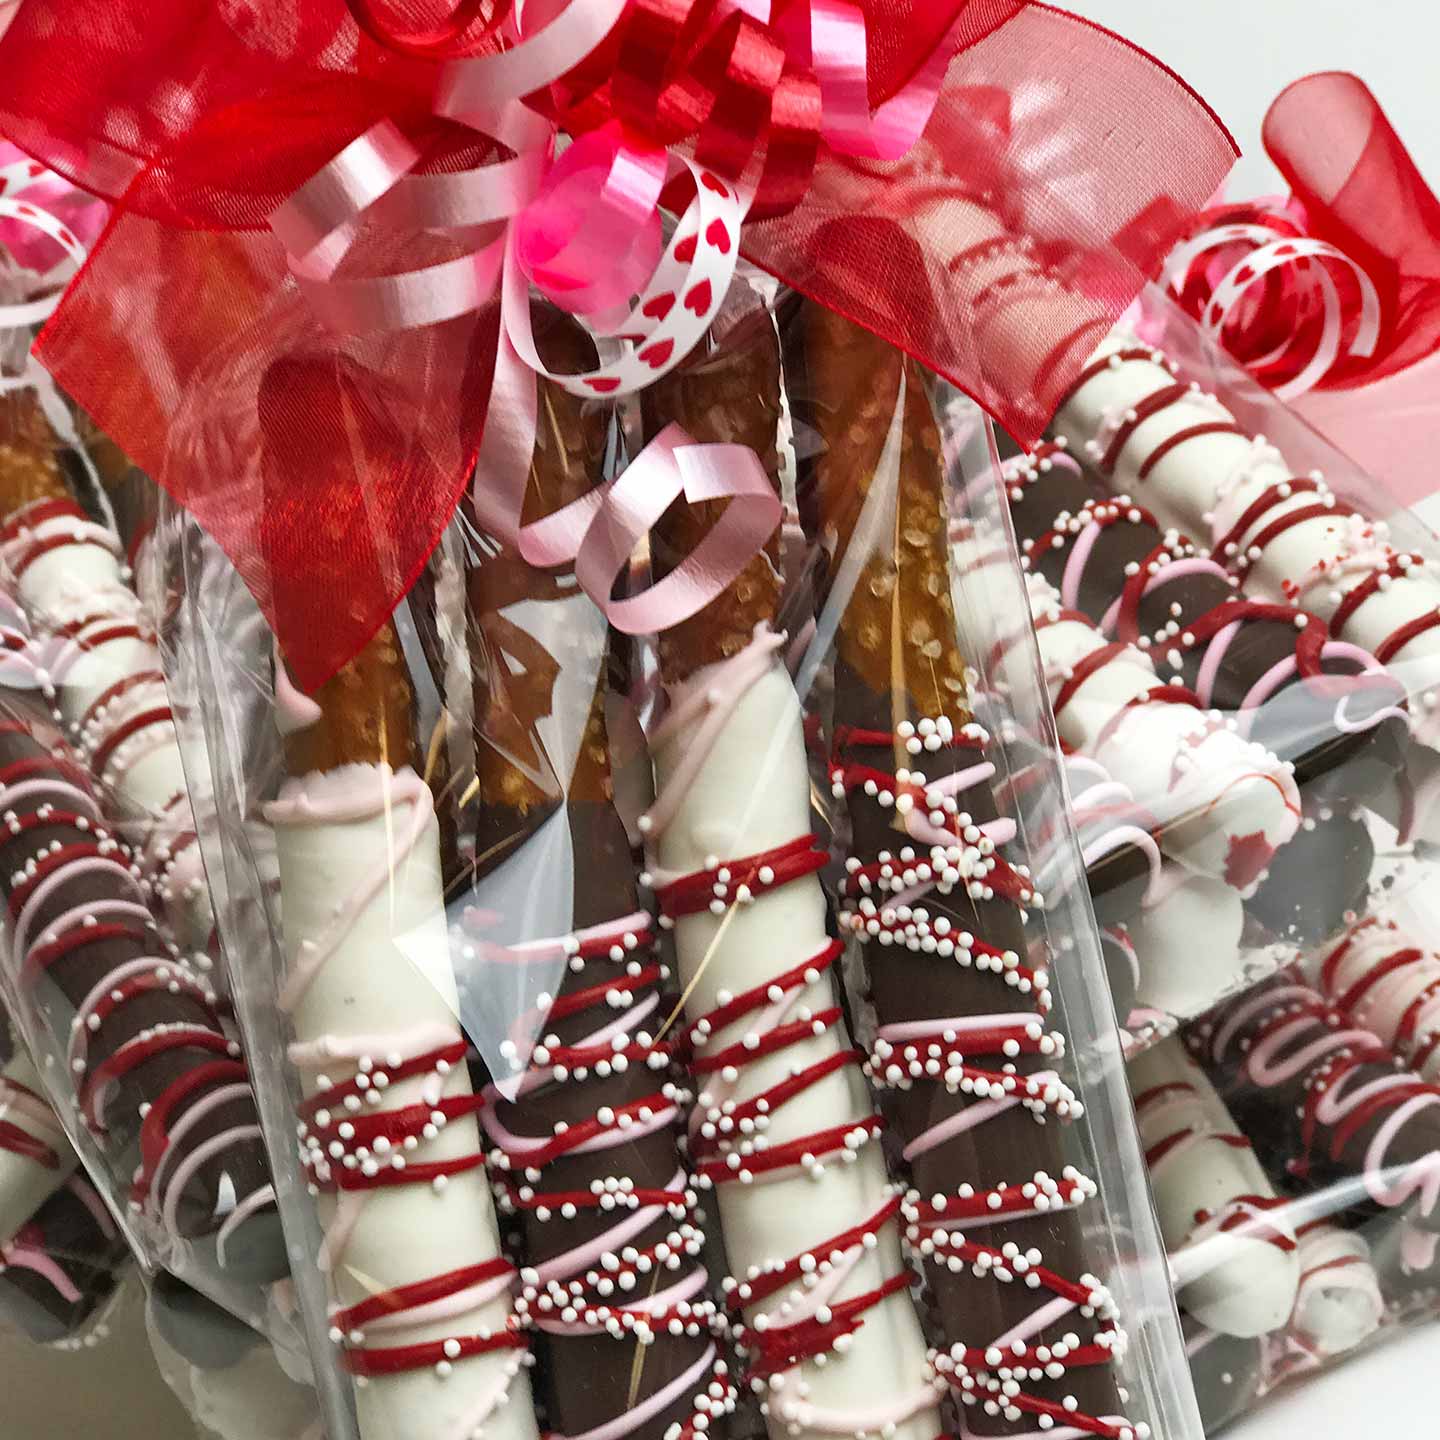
x: 1239, y: 640
x: 126, y: 1061
x: 667, y: 1034
x: 1238, y: 627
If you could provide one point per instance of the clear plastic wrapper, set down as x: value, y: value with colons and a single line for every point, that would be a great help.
x: 1292, y: 1144
x: 674, y: 1034
x: 109, y: 972
x: 1239, y: 641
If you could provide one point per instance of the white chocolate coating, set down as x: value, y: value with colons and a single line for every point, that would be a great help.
x: 107, y: 676
x: 1387, y: 981
x: 1232, y: 1251
x: 1205, y: 485
x: 1225, y: 804
x: 27, y: 1180
x: 364, y: 917
x: 750, y: 793
x: 1339, y: 1304
x: 1179, y: 976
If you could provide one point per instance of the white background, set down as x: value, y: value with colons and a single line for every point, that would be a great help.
x: 1239, y: 54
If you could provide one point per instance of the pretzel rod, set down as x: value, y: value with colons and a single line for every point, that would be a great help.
x: 1232, y: 1248
x: 1148, y: 908
x: 137, y: 1036
x: 1389, y: 982
x: 614, y: 1287
x: 421, y: 1313
x: 1273, y: 673
x: 61, y: 1268
x: 1325, y: 705
x: 36, y: 1157
x: 1158, y: 904
x: 1338, y: 1307
x: 783, y: 1127
x: 1180, y: 452
x: 1206, y: 788
x: 1338, y: 1304
x: 1223, y: 805
x: 1122, y: 861
x: 963, y: 1039
x: 73, y: 579
x: 1328, y: 1101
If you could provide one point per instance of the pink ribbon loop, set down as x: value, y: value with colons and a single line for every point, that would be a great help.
x: 670, y: 466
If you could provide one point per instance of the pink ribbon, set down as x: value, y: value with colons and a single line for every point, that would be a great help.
x: 1233, y: 258
x: 583, y: 227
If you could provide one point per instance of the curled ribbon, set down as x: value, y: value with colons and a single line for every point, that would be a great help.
x: 1271, y: 295
x: 1338, y: 285
x: 37, y: 202
x: 582, y: 226
x: 341, y: 385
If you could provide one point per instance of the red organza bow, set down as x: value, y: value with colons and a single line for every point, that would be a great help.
x: 1337, y: 286
x: 327, y: 462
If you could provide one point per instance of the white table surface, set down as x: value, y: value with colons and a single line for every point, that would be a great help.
x: 1239, y: 54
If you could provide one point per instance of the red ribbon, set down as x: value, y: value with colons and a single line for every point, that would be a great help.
x: 1360, y: 221
x: 326, y: 465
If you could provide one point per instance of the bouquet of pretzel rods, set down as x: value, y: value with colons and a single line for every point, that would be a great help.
x: 734, y: 1099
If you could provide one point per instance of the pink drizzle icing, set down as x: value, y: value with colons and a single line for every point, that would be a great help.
x: 811, y: 1323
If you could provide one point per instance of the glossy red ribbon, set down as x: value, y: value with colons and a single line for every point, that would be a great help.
x: 326, y: 458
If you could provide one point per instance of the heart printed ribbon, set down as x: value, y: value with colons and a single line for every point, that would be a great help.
x: 362, y: 207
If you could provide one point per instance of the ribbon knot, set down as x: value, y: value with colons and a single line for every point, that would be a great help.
x: 626, y: 143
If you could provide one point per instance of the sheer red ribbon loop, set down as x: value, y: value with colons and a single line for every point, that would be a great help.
x: 1338, y: 285
x: 836, y: 112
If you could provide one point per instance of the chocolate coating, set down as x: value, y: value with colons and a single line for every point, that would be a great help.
x: 74, y: 974
x: 589, y: 1379
x: 1322, y: 1100
x: 898, y: 662
x: 69, y: 1238
x: 1298, y: 722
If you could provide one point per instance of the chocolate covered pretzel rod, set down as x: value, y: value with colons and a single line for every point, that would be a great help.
x: 1150, y: 908
x: 1325, y: 705
x: 420, y: 1292
x: 1338, y: 1306
x: 783, y: 1126
x: 73, y: 581
x: 1388, y: 982
x: 1286, y: 537
x: 60, y: 1269
x: 964, y: 1040
x: 1274, y: 674
x: 155, y: 1076
x: 587, y: 1150
x: 1326, y: 1100
x: 1232, y: 1250
x: 1223, y: 804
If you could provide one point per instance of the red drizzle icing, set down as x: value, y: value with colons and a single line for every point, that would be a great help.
x: 978, y: 1373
